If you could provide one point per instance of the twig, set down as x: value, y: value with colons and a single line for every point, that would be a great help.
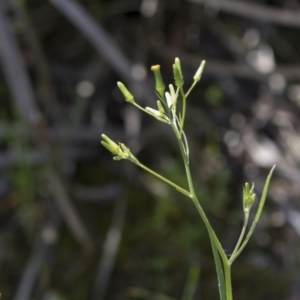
x: 254, y: 11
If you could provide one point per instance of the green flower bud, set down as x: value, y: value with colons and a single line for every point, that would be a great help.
x: 126, y: 151
x: 120, y: 151
x: 199, y: 72
x: 128, y: 96
x: 178, y: 66
x: 159, y: 83
x: 177, y: 76
x: 172, y: 90
x: 110, y: 145
x: 160, y: 107
x: 248, y: 196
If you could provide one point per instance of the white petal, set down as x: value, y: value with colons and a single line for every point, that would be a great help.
x: 168, y: 98
x: 154, y: 111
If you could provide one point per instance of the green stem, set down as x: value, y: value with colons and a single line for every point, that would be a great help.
x: 241, y: 236
x: 214, y: 239
x: 147, y: 112
x: 210, y: 230
x: 227, y: 272
x: 184, y: 96
x: 196, y: 202
x: 183, y: 111
x: 190, y: 89
x: 178, y: 188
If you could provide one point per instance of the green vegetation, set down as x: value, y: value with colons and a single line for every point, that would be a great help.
x: 171, y: 110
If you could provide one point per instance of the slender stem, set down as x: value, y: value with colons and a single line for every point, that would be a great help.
x: 227, y: 272
x: 147, y: 112
x: 190, y: 89
x: 210, y: 230
x: 214, y: 239
x: 178, y: 188
x: 184, y: 96
x: 140, y: 107
x: 241, y: 236
x: 195, y: 199
x: 183, y: 110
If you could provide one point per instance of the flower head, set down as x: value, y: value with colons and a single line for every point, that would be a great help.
x: 120, y: 151
x: 248, y: 197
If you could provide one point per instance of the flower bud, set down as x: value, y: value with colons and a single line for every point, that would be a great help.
x: 160, y: 107
x: 177, y: 76
x: 120, y: 151
x: 127, y: 95
x: 178, y: 66
x: 248, y: 197
x: 110, y: 145
x: 159, y: 83
x: 199, y: 72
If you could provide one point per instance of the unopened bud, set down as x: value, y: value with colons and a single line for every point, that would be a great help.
x: 199, y: 72
x: 109, y: 144
x: 127, y: 95
x: 178, y: 66
x: 177, y: 76
x: 160, y: 107
x: 248, y: 196
x: 159, y: 83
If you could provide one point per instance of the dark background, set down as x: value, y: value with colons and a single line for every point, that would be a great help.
x: 77, y: 225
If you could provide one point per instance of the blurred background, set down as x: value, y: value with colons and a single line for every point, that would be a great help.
x: 77, y: 225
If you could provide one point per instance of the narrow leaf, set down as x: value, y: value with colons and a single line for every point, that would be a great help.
x: 220, y: 272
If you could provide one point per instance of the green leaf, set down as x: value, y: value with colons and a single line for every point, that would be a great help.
x: 220, y: 273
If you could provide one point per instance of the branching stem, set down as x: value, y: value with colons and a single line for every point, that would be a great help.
x: 177, y: 187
